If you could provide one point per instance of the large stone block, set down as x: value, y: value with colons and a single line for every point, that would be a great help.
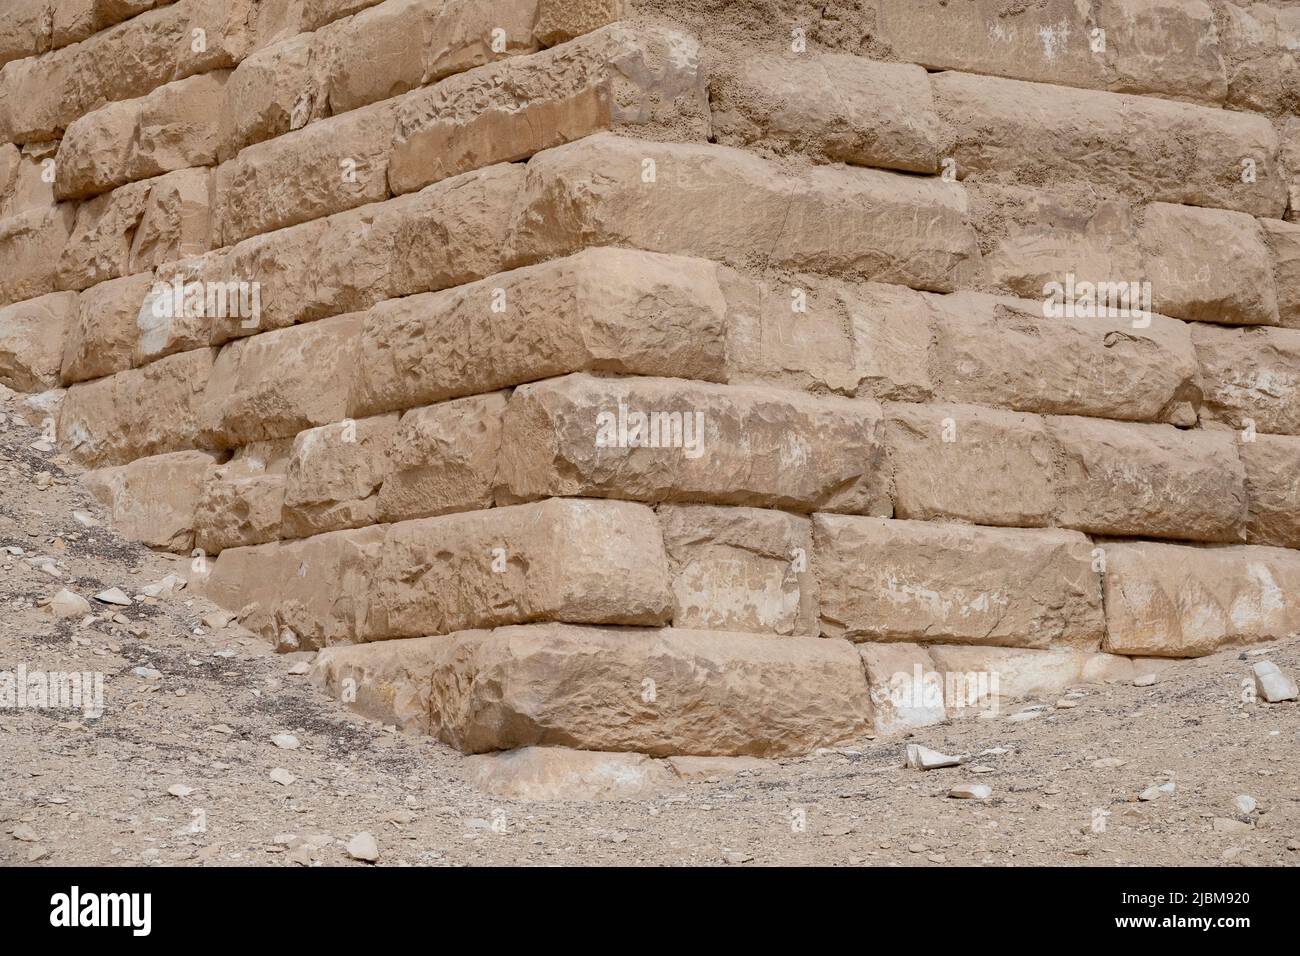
x: 334, y: 473
x: 1014, y: 132
x: 1284, y: 242
x: 923, y: 581
x: 588, y: 562
x: 659, y: 692
x: 601, y: 310
x: 1251, y: 376
x: 1165, y: 600
x: 242, y: 500
x: 272, y: 91
x: 971, y: 464
x: 1003, y: 352
x: 278, y: 384
x: 32, y: 334
x: 729, y: 205
x: 25, y: 176
x: 137, y: 227
x: 387, y: 681
x: 1208, y: 265
x: 153, y: 500
x: 905, y: 695
x: 1272, y: 490
x: 30, y: 246
x: 101, y: 340
x: 139, y: 412
x: 507, y: 111
x: 659, y: 439
x: 740, y: 569
x: 1154, y: 481
x: 443, y: 458
x: 173, y: 127
x: 1262, y: 47
x: 1018, y: 673
x: 881, y: 114
x: 324, y: 168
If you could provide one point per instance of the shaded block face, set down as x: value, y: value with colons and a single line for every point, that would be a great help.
x: 658, y: 692
x: 31, y: 340
x: 154, y: 500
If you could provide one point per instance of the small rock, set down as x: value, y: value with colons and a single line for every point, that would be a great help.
x: 217, y: 620
x: 180, y: 790
x: 1228, y: 825
x: 736, y: 857
x: 85, y: 519
x: 971, y: 791
x: 25, y: 833
x: 114, y: 596
x: 286, y: 741
x: 37, y: 853
x: 363, y: 846
x: 923, y: 758
x: 302, y: 667
x: 1066, y: 704
x: 282, y: 776
x: 148, y: 673
x: 1272, y: 685
x: 1108, y: 763
x: 1244, y: 803
x: 1146, y: 680
x: 67, y: 604
x: 937, y: 858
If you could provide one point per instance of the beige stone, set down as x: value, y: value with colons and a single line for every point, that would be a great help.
x: 1272, y: 490
x: 139, y: 412
x: 272, y: 91
x: 1018, y: 673
x: 334, y: 473
x: 561, y: 20
x: 316, y: 13
x: 590, y: 562
x: 102, y: 338
x: 137, y: 227
x: 658, y: 692
x: 1154, y: 481
x: 881, y: 114
x: 187, y: 301
x: 708, y: 769
x: 561, y: 773
x: 30, y: 246
x: 1208, y: 265
x: 386, y: 681
x: 655, y: 439
x: 905, y: 694
x: 279, y: 383
x: 242, y: 500
x: 1165, y: 600
x: 31, y: 340
x: 152, y: 500
x: 971, y: 464
x: 725, y: 204
x: 443, y: 458
x: 740, y: 569
x: 1290, y: 133
x: 1003, y: 352
x: 1284, y: 242
x: 506, y: 111
x: 173, y: 127
x: 1251, y: 376
x: 921, y: 581
x: 607, y: 310
x: 1015, y: 132
x: 28, y: 187
x: 1262, y: 44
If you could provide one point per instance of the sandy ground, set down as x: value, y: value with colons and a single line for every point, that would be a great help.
x: 177, y: 770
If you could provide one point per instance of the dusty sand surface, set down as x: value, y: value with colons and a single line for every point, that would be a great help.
x: 105, y: 791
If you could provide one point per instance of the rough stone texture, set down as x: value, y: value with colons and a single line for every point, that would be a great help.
x: 186, y: 301
x: 300, y: 594
x: 1015, y: 132
x: 1284, y: 242
x: 882, y: 114
x: 1272, y: 490
x: 443, y: 458
x: 174, y: 127
x: 561, y: 773
x: 102, y: 338
x: 726, y: 204
x: 561, y: 20
x: 505, y: 112
x: 1003, y: 352
x: 1251, y: 374
x: 1208, y: 265
x: 152, y: 500
x: 388, y: 681
x: 334, y: 473
x: 606, y: 310
x: 658, y: 692
x: 1263, y: 45
x: 718, y: 444
x: 589, y: 562
x: 1024, y: 673
x: 137, y: 227
x: 921, y: 581
x: 25, y: 176
x: 1165, y: 600
x: 1149, y: 480
x: 904, y: 696
x: 31, y: 340
x: 242, y: 500
x: 1290, y: 132
x: 740, y: 569
x: 274, y: 90
x: 30, y: 245
x: 277, y: 384
x: 996, y: 467
x: 139, y: 412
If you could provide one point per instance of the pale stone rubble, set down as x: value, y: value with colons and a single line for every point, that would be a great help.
x: 619, y: 403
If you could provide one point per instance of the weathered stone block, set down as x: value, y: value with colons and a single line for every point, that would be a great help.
x: 102, y: 339
x: 1272, y: 490
x: 1251, y: 376
x: 334, y: 473
x: 32, y: 334
x: 153, y: 500
x: 30, y: 246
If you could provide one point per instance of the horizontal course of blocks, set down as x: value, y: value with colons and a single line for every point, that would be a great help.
x: 575, y: 374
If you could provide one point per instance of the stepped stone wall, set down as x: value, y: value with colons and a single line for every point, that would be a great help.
x: 673, y: 375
